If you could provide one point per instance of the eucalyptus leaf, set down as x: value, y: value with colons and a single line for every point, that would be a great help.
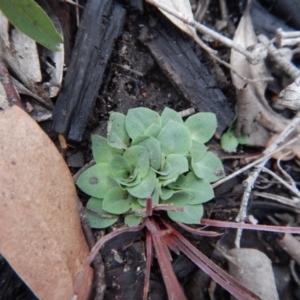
x: 139, y: 158
x: 153, y: 147
x: 102, y: 152
x: 209, y: 167
x: 191, y: 214
x: 145, y: 188
x: 170, y: 114
x: 174, y: 138
x: 201, y: 126
x: 117, y: 136
x: 139, y: 119
x: 179, y: 165
x: 117, y: 201
x: 96, y: 181
x: 95, y: 221
x: 31, y: 19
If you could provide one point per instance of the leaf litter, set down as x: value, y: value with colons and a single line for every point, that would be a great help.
x: 250, y: 95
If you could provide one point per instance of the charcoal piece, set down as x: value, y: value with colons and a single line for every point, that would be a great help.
x: 175, y: 55
x: 101, y: 24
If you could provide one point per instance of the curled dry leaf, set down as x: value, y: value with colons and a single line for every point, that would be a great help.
x: 251, y: 102
x: 41, y: 235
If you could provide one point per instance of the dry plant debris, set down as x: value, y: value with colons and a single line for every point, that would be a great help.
x: 40, y: 235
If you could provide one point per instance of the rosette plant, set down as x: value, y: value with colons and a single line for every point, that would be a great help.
x: 146, y: 155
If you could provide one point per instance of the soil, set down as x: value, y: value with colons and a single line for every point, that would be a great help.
x: 124, y: 257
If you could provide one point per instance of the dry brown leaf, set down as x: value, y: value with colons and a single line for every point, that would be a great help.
x: 40, y: 235
x: 254, y: 270
x: 251, y: 102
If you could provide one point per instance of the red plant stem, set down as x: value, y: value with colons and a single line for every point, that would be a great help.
x: 270, y: 228
x: 12, y: 96
x: 199, y: 231
x: 149, y: 207
x: 148, y: 264
x: 173, y: 287
x: 211, y: 269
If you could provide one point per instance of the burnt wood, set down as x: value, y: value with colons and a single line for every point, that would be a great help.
x: 175, y: 55
x: 101, y: 24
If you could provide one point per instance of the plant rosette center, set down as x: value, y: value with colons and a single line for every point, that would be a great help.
x: 150, y: 155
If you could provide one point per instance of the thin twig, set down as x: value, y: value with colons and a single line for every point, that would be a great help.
x: 204, y: 30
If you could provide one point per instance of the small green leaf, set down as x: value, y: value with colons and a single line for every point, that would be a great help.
x: 96, y: 181
x: 202, y: 126
x: 102, y: 152
x: 198, y: 150
x: 132, y: 220
x: 145, y: 188
x: 179, y: 198
x: 139, y: 158
x: 170, y: 114
x: 201, y: 189
x: 178, y: 184
x: 31, y: 19
x: 174, y: 138
x: 243, y: 139
x: 117, y: 201
x: 179, y: 165
x: 155, y: 194
x: 191, y: 214
x: 229, y: 142
x: 117, y: 136
x: 153, y: 130
x: 126, y: 178
x: 209, y: 167
x: 165, y: 170
x: 95, y: 205
x: 153, y: 147
x: 139, y: 119
x: 119, y: 163
x: 166, y: 193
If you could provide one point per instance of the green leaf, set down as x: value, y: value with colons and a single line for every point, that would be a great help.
x: 117, y: 201
x: 31, y: 19
x: 178, y: 184
x: 243, y: 139
x: 170, y: 114
x: 126, y: 178
x: 117, y: 136
x: 95, y: 205
x: 165, y: 170
x: 153, y: 130
x: 198, y: 150
x: 229, y: 142
x: 166, y: 193
x: 174, y: 138
x: 201, y: 189
x: 139, y: 158
x: 209, y: 167
x: 119, y: 163
x: 145, y: 188
x: 132, y: 220
x: 202, y: 126
x: 192, y: 214
x: 102, y: 152
x: 153, y: 147
x: 179, y: 198
x: 155, y: 194
x: 179, y: 165
x: 96, y: 181
x: 139, y: 119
